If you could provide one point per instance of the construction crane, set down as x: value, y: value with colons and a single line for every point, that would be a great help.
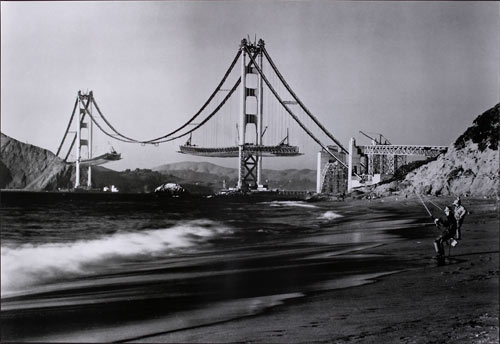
x: 382, y: 140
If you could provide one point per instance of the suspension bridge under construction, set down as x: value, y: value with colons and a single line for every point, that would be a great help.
x: 264, y: 119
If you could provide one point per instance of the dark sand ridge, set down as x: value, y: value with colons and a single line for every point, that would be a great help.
x: 454, y: 303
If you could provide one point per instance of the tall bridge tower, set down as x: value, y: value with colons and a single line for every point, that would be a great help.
x: 83, y: 136
x: 251, y: 112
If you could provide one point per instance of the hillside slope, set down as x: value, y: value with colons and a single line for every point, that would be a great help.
x: 24, y: 166
x: 470, y: 167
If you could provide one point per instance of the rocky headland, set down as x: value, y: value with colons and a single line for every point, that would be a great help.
x: 470, y: 167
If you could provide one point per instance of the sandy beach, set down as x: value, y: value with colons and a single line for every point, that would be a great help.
x: 454, y: 303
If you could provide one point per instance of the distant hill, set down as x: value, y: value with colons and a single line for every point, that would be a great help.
x: 198, y: 167
x: 213, y: 175
x: 470, y: 167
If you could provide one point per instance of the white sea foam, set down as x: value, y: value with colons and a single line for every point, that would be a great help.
x: 291, y: 204
x: 28, y: 265
x: 330, y: 215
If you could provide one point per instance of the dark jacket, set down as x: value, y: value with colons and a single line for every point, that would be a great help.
x: 449, y: 223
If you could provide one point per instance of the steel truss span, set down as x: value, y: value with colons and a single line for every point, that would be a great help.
x: 429, y: 151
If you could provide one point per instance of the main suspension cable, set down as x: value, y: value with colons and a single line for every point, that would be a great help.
x: 74, y: 137
x: 217, y: 89
x: 300, y: 102
x: 110, y: 126
x: 102, y: 129
x: 236, y: 84
x: 68, y: 127
x: 290, y: 111
x: 119, y: 136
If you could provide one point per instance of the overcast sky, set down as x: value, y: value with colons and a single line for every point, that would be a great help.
x: 418, y: 72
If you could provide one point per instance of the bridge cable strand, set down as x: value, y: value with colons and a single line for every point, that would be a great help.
x: 110, y: 126
x: 102, y: 129
x: 70, y: 148
x: 224, y: 100
x: 236, y: 84
x: 74, y: 137
x: 68, y: 127
x: 158, y: 139
x: 217, y: 89
x: 300, y: 102
x: 290, y: 111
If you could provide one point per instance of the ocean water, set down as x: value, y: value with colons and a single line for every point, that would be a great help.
x: 109, y: 270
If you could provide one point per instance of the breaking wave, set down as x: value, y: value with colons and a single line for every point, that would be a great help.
x: 291, y: 204
x: 29, y: 265
x: 330, y: 215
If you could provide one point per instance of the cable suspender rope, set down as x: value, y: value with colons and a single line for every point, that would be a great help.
x: 290, y: 111
x: 67, y: 128
x: 300, y: 102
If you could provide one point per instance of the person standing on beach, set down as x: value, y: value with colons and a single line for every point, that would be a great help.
x: 449, y: 223
x: 460, y: 213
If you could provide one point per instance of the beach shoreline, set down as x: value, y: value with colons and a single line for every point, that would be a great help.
x: 366, y: 276
x: 457, y: 302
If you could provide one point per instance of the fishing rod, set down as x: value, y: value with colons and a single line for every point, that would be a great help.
x: 428, y: 211
x: 434, y: 204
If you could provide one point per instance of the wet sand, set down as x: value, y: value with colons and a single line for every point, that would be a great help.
x: 426, y: 303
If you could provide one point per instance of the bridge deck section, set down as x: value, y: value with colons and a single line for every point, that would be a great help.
x: 233, y: 151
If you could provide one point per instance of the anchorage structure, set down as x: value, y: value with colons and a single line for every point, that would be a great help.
x: 392, y: 152
x: 383, y: 158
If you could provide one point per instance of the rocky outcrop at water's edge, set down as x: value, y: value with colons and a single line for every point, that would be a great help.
x: 470, y: 167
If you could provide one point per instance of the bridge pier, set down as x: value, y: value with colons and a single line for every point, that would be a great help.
x: 85, y: 104
x: 260, y: 112
x: 242, y: 121
x: 332, y: 176
x: 250, y: 164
